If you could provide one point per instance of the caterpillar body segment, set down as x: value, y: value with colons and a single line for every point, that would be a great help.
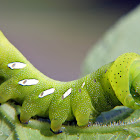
x: 117, y: 83
x: 121, y: 75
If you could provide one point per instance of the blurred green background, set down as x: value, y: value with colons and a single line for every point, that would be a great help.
x: 55, y: 35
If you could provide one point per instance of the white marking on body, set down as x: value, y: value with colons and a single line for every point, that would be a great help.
x: 83, y: 85
x: 46, y: 92
x: 28, y: 82
x: 16, y: 65
x: 67, y: 93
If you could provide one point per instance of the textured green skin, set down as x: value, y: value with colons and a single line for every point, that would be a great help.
x: 100, y: 92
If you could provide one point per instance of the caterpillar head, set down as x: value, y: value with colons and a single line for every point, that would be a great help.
x: 124, y: 76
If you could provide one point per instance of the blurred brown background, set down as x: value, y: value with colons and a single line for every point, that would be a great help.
x: 55, y: 35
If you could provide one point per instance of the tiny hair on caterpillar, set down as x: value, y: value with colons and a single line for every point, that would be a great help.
x: 114, y: 84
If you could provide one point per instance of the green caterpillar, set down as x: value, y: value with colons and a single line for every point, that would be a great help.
x: 117, y: 83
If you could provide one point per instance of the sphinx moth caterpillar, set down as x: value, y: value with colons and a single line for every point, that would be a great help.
x: 116, y: 83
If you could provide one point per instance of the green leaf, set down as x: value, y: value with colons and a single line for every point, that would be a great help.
x: 12, y: 129
x: 6, y: 129
x: 25, y: 133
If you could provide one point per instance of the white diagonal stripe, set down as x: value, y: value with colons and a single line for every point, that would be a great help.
x: 46, y: 92
x: 67, y: 93
x: 28, y: 82
x: 83, y: 85
x: 16, y: 65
